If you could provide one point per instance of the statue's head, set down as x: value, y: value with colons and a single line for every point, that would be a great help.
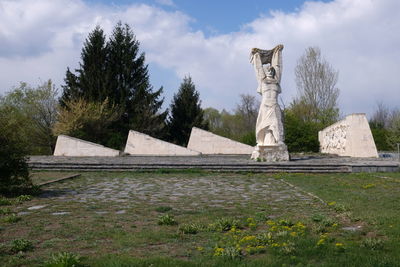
x: 271, y: 72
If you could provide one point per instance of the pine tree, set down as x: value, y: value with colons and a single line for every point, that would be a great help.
x: 116, y: 71
x: 186, y: 112
x: 91, y: 73
x: 89, y: 82
x: 129, y: 86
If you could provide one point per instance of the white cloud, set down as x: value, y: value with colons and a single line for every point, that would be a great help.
x: 358, y: 37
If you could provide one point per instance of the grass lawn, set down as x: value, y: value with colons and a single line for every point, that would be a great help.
x: 194, y: 218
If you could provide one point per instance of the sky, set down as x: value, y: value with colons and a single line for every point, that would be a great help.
x: 210, y: 40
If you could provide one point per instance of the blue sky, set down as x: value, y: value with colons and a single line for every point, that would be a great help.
x: 211, y: 40
x: 218, y: 16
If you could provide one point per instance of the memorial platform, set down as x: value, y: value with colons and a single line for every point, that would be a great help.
x: 236, y: 163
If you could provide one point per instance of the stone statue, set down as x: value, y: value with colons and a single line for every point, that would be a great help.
x: 269, y: 128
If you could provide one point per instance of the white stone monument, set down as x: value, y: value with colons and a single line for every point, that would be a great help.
x: 143, y: 144
x: 269, y: 128
x: 74, y: 147
x: 209, y: 143
x: 349, y: 137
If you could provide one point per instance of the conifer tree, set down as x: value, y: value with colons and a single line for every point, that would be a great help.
x: 186, y: 112
x: 89, y: 82
x: 129, y: 85
x: 116, y: 71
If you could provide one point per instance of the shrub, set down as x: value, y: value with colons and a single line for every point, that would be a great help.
x: 4, y: 211
x: 373, y: 243
x: 167, y: 220
x: 23, y: 198
x: 224, y: 224
x: 21, y: 245
x: 64, y: 259
x: 190, y: 228
x: 5, y: 201
x: 13, y: 218
x: 14, y: 173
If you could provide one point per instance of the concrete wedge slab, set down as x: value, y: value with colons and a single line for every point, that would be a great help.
x: 209, y: 143
x: 74, y: 147
x: 143, y: 144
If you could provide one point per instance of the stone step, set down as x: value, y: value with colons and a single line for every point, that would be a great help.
x: 209, y: 167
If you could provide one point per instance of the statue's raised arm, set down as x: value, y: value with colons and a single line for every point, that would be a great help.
x: 276, y: 62
x: 269, y: 128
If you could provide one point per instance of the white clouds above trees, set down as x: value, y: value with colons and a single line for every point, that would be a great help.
x: 39, y: 39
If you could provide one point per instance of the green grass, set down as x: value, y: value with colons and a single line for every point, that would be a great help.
x: 221, y: 219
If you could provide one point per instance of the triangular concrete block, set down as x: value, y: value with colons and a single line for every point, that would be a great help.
x: 209, y: 143
x: 349, y: 137
x: 74, y: 147
x: 143, y: 144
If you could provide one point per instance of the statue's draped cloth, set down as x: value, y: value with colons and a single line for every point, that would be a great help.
x: 269, y: 127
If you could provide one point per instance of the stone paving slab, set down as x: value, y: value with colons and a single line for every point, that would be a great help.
x: 183, y: 192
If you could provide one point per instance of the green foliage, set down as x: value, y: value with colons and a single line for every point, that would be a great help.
x: 32, y: 111
x: 239, y: 125
x: 89, y: 121
x: 14, y: 173
x: 380, y: 135
x: 373, y: 243
x: 21, y: 245
x: 5, y: 211
x: 224, y: 224
x: 186, y: 113
x: 64, y: 259
x: 394, y: 130
x: 166, y: 220
x: 13, y: 218
x: 23, y: 198
x: 5, y: 201
x: 249, y: 138
x: 190, y: 228
x: 115, y: 70
x: 316, y: 84
x: 300, y: 136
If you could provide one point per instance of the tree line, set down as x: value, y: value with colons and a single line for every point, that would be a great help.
x: 110, y: 93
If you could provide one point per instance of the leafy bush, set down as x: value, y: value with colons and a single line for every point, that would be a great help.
x: 4, y: 211
x: 224, y: 224
x: 21, y: 245
x: 14, y: 173
x: 89, y: 121
x: 13, y: 218
x: 23, y: 198
x: 301, y: 136
x: 5, y: 201
x: 167, y: 220
x: 190, y: 228
x: 373, y: 243
x: 64, y: 259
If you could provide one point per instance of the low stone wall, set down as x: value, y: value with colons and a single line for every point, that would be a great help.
x: 349, y: 137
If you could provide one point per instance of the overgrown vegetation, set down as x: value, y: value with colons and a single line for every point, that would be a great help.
x: 385, y: 127
x: 14, y: 173
x: 358, y: 225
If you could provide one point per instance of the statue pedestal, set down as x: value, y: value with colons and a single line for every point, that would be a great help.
x: 270, y: 153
